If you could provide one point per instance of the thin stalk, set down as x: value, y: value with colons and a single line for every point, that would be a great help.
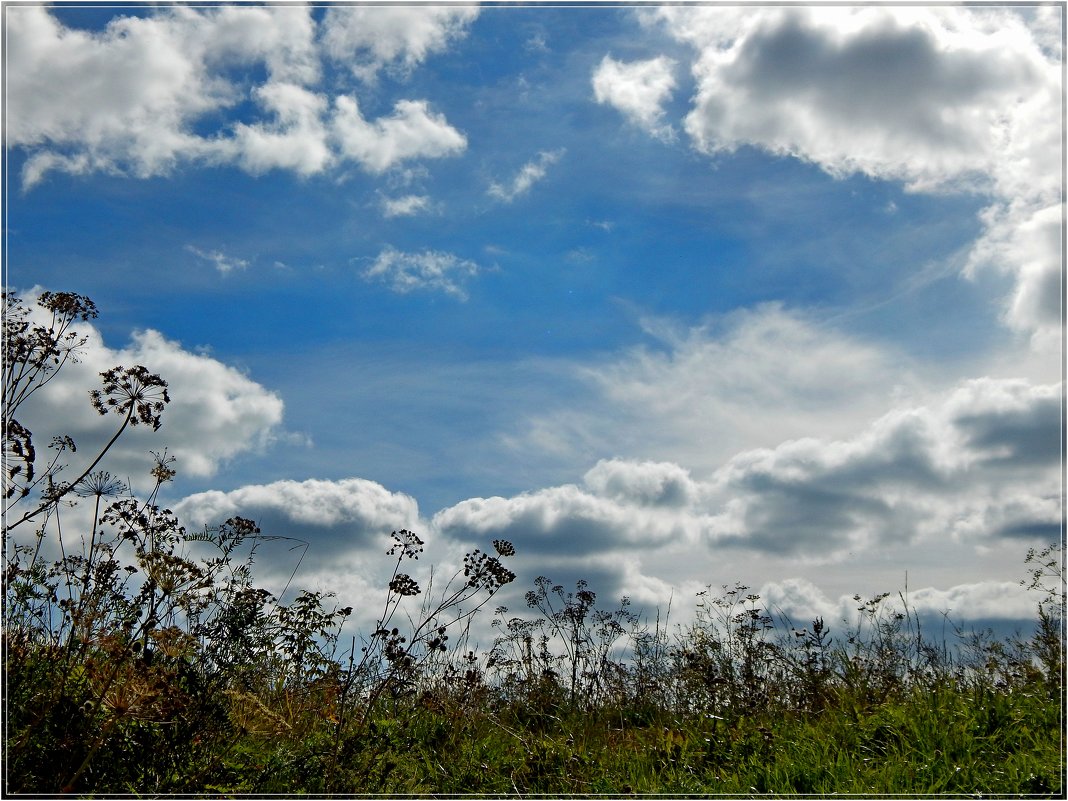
x: 73, y: 484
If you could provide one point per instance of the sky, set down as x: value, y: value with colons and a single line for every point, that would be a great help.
x: 668, y: 296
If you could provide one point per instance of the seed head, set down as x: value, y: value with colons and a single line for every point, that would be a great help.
x: 403, y: 584
x: 133, y: 391
x: 504, y: 547
x: 407, y: 542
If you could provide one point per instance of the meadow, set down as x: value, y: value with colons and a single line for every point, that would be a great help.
x: 140, y: 658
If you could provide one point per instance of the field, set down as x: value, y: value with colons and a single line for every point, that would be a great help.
x: 240, y: 695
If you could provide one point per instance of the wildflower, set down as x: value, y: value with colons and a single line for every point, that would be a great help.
x: 68, y: 304
x: 132, y: 391
x: 486, y: 572
x: 162, y: 470
x: 100, y: 484
x: 403, y: 584
x: 504, y: 548
x: 407, y: 542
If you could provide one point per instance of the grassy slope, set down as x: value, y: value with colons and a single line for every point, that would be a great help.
x: 935, y: 741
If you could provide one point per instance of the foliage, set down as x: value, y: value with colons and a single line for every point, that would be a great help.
x: 142, y: 658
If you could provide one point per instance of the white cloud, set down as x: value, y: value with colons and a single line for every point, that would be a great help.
x: 355, y: 509
x: 131, y: 98
x: 412, y: 131
x: 918, y: 96
x: 404, y: 206
x: 942, y: 99
x: 528, y: 175
x: 345, y: 523
x: 565, y: 520
x: 920, y: 489
x: 215, y: 411
x: 370, y: 38
x: 638, y: 90
x: 1026, y: 242
x: 295, y: 139
x: 977, y: 465
x: 121, y: 99
x: 223, y: 263
x: 429, y: 269
x: 802, y: 602
x: 752, y: 379
x: 644, y: 483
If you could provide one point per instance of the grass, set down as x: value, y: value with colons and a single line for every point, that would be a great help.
x: 938, y: 742
x: 762, y: 714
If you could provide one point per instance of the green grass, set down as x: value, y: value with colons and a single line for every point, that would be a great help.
x: 939, y: 741
x: 762, y: 721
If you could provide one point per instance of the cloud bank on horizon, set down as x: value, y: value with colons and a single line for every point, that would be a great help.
x: 591, y: 328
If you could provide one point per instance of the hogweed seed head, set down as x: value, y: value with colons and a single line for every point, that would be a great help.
x: 486, y: 572
x: 405, y: 585
x: 134, y: 391
x: 100, y: 484
x: 407, y: 542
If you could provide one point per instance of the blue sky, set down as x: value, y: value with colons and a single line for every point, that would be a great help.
x: 669, y: 296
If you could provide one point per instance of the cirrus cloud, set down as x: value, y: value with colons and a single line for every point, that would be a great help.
x: 528, y: 175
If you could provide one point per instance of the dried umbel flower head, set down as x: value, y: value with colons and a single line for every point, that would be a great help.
x: 486, y: 572
x: 68, y: 304
x: 100, y: 484
x: 133, y: 391
x: 407, y: 543
x: 162, y: 470
x: 403, y: 584
x: 504, y: 547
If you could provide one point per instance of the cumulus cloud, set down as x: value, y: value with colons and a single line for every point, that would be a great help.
x: 940, y: 99
x: 428, y: 269
x: 124, y: 98
x: 327, y: 535
x: 528, y: 175
x: 563, y: 520
x: 1025, y: 239
x: 922, y: 95
x: 643, y: 483
x: 638, y: 90
x: 216, y: 412
x: 295, y: 138
x: 801, y: 601
x: 915, y: 474
x: 370, y: 38
x: 139, y: 97
x: 347, y: 512
x: 412, y: 131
